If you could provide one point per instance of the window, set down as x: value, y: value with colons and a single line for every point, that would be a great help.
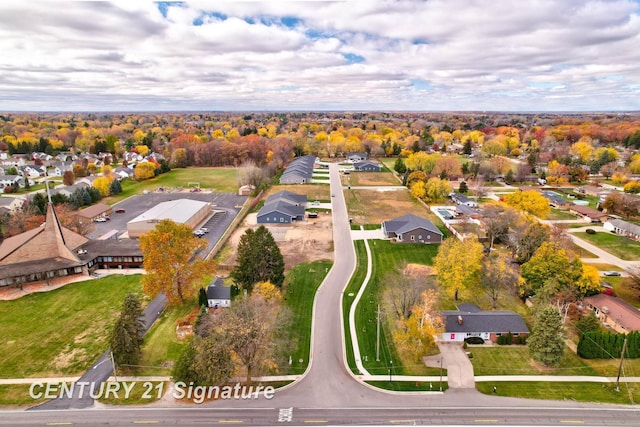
x: 420, y: 237
x: 428, y: 236
x: 281, y: 219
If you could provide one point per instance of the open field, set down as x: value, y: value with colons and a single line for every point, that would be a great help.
x: 557, y: 214
x: 63, y: 331
x: 622, y: 247
x: 374, y: 206
x: 581, y: 391
x: 301, y: 285
x: 369, y: 178
x: 222, y: 180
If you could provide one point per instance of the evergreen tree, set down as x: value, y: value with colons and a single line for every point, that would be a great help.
x: 127, y: 336
x: 399, y: 166
x: 202, y: 298
x: 546, y: 343
x: 259, y: 259
x: 463, y: 188
x: 115, y: 187
x: 184, y: 369
x: 86, y: 197
x: 467, y: 147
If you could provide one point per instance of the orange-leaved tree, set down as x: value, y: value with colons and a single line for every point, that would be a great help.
x: 169, y: 259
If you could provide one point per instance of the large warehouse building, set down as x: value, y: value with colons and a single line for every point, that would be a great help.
x: 181, y: 211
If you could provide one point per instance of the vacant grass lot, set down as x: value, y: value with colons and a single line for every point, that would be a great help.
x: 622, y: 247
x: 387, y: 257
x: 625, y: 292
x: 301, y: 285
x: 557, y: 214
x: 581, y: 391
x: 222, y: 180
x: 63, y: 331
x: 16, y: 395
x: 515, y: 360
x: 161, y: 346
x: 369, y: 178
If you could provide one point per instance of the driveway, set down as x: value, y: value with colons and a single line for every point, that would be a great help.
x: 457, y: 363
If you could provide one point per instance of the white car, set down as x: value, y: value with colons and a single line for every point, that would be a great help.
x: 101, y: 219
x: 612, y: 273
x: 204, y: 229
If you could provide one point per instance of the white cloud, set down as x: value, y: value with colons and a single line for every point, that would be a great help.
x: 469, y: 54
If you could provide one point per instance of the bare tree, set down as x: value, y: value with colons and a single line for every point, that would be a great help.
x: 498, y: 276
x: 496, y: 221
x: 250, y: 174
x: 402, y: 294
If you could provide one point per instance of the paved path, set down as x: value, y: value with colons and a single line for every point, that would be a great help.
x: 458, y: 366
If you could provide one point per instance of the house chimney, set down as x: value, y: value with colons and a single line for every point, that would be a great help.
x: 459, y: 320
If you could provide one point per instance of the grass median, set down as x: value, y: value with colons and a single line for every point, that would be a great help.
x: 579, y: 391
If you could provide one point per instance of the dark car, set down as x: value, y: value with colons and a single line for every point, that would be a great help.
x: 120, y: 211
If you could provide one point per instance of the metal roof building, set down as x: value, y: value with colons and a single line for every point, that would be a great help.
x: 181, y: 211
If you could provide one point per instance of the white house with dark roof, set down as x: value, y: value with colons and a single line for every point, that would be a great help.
x: 412, y: 229
x: 218, y: 295
x: 623, y: 228
x: 461, y: 199
x: 471, y: 321
x: 367, y: 166
x: 357, y: 157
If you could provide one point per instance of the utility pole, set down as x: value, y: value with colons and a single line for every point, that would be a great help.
x: 378, y: 336
x: 440, y: 373
x: 624, y: 348
x: 113, y: 364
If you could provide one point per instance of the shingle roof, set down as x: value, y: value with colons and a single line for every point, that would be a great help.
x: 624, y: 313
x: 475, y: 320
x: 409, y: 222
x: 624, y: 225
x: 217, y: 290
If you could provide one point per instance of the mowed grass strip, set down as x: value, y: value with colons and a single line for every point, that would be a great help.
x: 622, y: 247
x: 302, y: 284
x: 161, y: 345
x: 580, y: 391
x: 515, y: 360
x: 63, y: 331
x: 349, y: 296
x: 17, y: 395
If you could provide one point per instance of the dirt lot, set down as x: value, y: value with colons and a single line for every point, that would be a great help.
x: 303, y: 241
x: 374, y: 206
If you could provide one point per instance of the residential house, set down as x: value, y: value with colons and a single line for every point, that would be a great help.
x: 60, y: 167
x: 41, y: 156
x: 623, y: 228
x: 411, y: 229
x: 588, y: 214
x: 10, y: 204
x: 470, y: 321
x: 556, y: 200
x: 299, y: 171
x: 461, y: 199
x: 367, y: 166
x: 218, y: 295
x: 32, y: 171
x: 122, y: 173
x: 357, y: 157
x: 589, y: 190
x: 10, y: 181
x: 68, y: 190
x: 283, y: 207
x: 614, y: 312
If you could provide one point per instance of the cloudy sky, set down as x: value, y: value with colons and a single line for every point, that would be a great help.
x: 519, y: 55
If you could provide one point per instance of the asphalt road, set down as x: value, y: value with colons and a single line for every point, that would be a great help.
x: 329, y: 395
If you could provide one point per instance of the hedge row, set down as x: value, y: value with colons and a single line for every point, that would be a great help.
x: 605, y: 345
x: 510, y: 339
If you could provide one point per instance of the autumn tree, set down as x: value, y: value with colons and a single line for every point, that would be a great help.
x: 498, y: 276
x: 497, y: 220
x: 68, y: 178
x: 127, y: 336
x: 415, y: 335
x: 546, y: 342
x: 458, y: 264
x: 103, y: 185
x: 249, y: 328
x: 529, y: 201
x: 436, y: 190
x: 259, y: 259
x: 144, y: 170
x: 401, y: 294
x: 550, y: 263
x: 170, y: 261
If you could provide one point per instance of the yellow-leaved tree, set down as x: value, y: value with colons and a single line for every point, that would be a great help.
x: 459, y: 264
x: 103, y: 185
x: 144, y: 171
x: 416, y: 334
x: 168, y: 251
x: 529, y: 201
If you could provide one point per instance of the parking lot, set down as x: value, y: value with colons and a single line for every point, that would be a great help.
x: 225, y: 208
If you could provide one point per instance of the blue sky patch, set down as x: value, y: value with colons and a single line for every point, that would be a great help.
x: 352, y: 58
x: 421, y: 84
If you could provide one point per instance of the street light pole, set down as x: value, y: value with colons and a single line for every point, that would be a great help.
x: 390, y: 369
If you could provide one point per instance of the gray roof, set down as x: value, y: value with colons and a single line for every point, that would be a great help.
x: 475, y: 320
x: 285, y: 208
x: 360, y: 165
x: 461, y: 198
x: 465, y: 210
x: 626, y: 226
x: 217, y: 290
x: 300, y: 167
x: 555, y: 198
x: 407, y: 223
x: 287, y: 196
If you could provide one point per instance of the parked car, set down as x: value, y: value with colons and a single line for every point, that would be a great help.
x: 204, y: 229
x: 120, y: 211
x: 101, y: 219
x: 612, y: 273
x: 198, y: 233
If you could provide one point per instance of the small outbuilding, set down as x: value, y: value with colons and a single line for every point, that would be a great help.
x: 218, y: 295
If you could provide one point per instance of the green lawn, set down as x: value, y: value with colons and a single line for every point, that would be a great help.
x: 16, y: 395
x: 222, y: 180
x: 622, y: 247
x: 161, y: 346
x: 580, y: 391
x: 515, y: 360
x: 301, y: 285
x: 410, y: 385
x: 141, y: 392
x: 61, y: 332
x: 387, y: 257
x: 557, y: 214
x: 349, y: 296
x: 628, y: 294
